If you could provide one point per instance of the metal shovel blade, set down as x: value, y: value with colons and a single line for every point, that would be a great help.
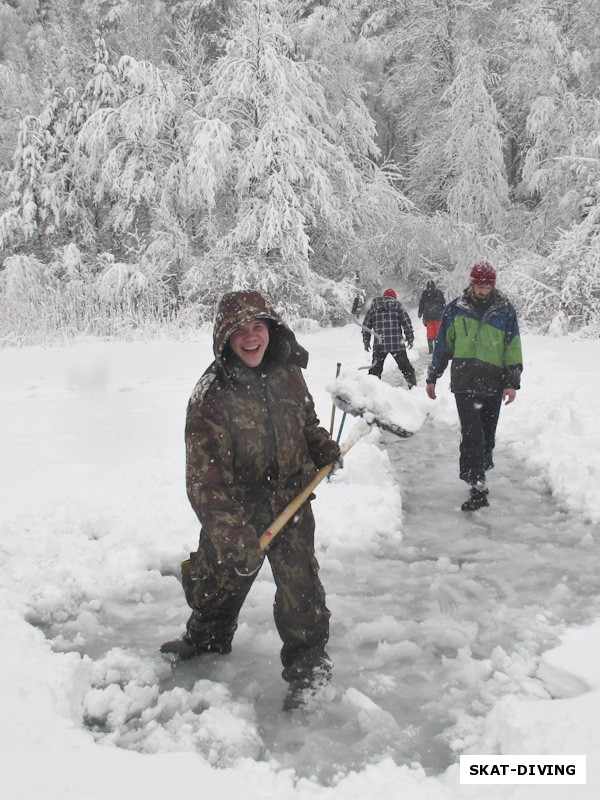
x: 345, y: 404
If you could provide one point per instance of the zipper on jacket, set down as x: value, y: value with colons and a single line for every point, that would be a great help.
x: 273, y: 471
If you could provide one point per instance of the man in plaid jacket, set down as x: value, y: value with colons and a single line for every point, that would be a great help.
x: 391, y: 325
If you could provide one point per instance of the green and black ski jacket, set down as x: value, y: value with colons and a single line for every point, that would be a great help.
x: 484, y: 346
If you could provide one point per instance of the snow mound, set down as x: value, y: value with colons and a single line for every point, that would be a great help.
x: 573, y: 668
x: 126, y: 707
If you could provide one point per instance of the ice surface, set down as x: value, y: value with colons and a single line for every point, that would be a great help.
x: 442, y: 623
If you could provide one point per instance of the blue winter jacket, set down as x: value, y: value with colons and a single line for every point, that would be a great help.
x: 483, y: 343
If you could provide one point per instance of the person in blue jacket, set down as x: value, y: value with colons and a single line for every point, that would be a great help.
x: 479, y: 333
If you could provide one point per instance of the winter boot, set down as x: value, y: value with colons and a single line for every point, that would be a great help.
x: 430, y: 345
x: 477, y: 498
x: 181, y: 649
x: 303, y: 689
x: 185, y: 649
x: 296, y: 697
x: 300, y: 694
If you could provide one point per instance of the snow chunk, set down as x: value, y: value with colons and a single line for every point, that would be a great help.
x: 371, y: 717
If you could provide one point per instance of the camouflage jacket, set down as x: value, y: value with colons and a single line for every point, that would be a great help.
x: 253, y: 440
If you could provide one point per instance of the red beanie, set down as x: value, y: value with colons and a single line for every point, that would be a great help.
x: 483, y: 273
x: 390, y: 293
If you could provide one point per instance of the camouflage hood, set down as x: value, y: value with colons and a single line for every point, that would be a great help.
x: 236, y: 309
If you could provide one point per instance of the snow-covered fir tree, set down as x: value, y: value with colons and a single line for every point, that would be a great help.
x: 327, y: 34
x: 270, y: 160
x: 426, y: 39
x: 571, y: 273
x: 547, y: 106
x: 476, y: 178
x: 194, y: 145
x: 571, y: 277
x: 26, y: 185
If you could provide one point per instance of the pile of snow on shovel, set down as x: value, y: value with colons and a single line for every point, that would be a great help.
x: 378, y: 402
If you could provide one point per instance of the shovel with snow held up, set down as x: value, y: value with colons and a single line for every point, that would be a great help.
x: 390, y: 408
x: 348, y: 407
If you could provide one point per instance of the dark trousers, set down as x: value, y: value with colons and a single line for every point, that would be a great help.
x: 216, y: 592
x: 478, y: 414
x: 400, y: 357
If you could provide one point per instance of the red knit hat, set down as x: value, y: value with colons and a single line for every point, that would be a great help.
x: 483, y: 273
x: 390, y: 293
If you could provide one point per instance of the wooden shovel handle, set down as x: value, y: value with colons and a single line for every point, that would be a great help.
x: 360, y: 429
x: 289, y: 511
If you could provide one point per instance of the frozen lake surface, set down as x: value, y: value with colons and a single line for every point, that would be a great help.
x: 427, y: 631
x: 437, y: 616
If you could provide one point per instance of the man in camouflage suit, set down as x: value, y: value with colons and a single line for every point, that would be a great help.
x: 253, y: 441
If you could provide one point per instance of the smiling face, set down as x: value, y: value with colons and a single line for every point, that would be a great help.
x: 250, y: 342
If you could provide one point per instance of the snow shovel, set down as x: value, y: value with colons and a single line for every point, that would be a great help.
x: 375, y: 336
x: 361, y: 429
x: 348, y: 407
x: 368, y: 330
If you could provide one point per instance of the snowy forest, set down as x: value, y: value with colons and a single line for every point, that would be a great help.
x: 155, y: 153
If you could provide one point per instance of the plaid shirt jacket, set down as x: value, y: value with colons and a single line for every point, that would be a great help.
x: 390, y: 322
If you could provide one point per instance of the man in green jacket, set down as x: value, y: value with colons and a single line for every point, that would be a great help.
x: 253, y: 442
x: 479, y: 332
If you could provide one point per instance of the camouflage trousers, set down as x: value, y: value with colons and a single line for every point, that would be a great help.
x: 216, y: 592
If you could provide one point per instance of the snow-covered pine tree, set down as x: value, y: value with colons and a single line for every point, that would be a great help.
x: 546, y: 110
x: 210, y: 20
x: 103, y: 89
x: 131, y: 152
x: 45, y: 174
x: 17, y: 96
x: 328, y: 35
x: 572, y: 275
x: 270, y: 163
x: 571, y: 272
x: 477, y: 190
x: 22, y: 220
x: 425, y: 40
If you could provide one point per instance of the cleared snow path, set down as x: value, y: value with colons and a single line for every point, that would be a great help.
x: 485, y: 592
x: 427, y: 632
